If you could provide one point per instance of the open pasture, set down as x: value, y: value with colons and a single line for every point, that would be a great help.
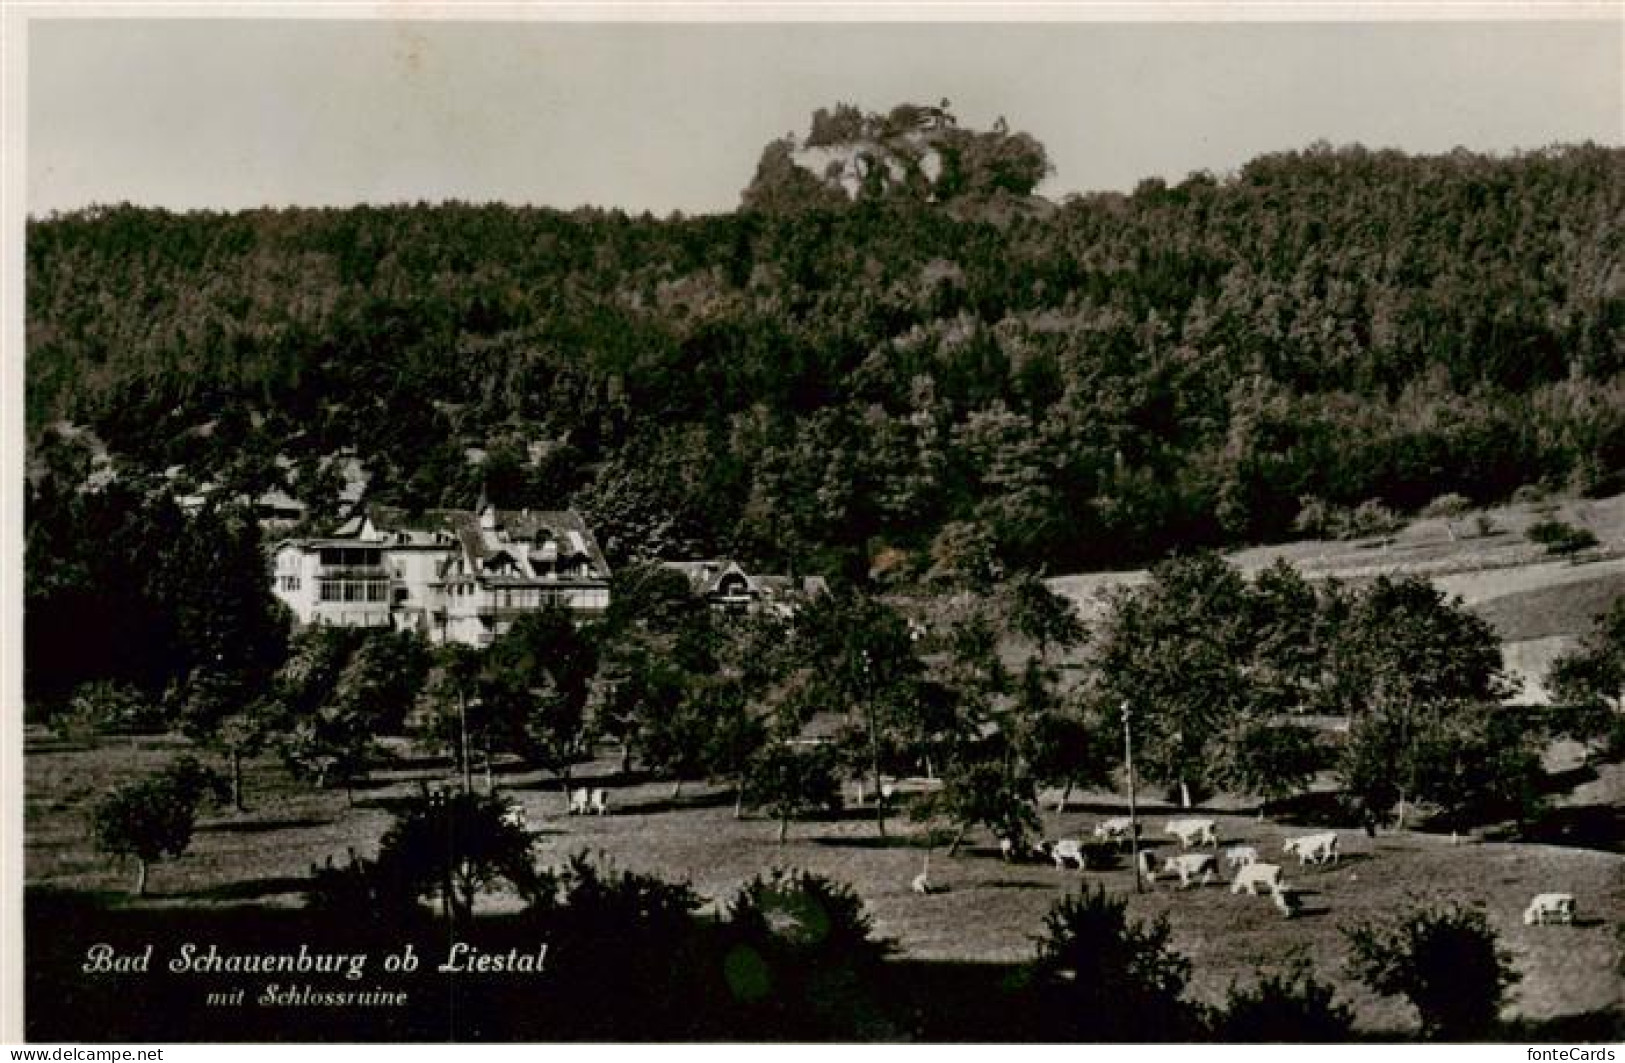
x: 989, y: 911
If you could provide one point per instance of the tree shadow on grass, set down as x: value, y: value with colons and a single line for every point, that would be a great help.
x: 1604, y: 1024
x: 1579, y: 826
x: 1562, y: 782
x: 253, y: 889
x: 702, y: 799
x: 261, y: 826
x: 890, y: 841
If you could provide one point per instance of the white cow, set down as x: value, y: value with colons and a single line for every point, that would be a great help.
x: 1116, y: 829
x: 1192, y: 832
x: 579, y: 801
x: 1240, y: 856
x: 1188, y: 866
x: 1313, y: 848
x: 598, y: 802
x: 1064, y: 850
x: 1252, y: 876
x: 1550, y: 907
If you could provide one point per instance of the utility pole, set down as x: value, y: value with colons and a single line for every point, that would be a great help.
x: 462, y: 726
x: 1133, y: 813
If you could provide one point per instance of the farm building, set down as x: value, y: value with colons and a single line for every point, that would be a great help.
x: 727, y: 586
x: 452, y: 575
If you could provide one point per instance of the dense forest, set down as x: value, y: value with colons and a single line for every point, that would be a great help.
x: 942, y: 377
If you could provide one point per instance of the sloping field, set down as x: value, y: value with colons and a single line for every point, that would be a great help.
x: 989, y: 911
x: 1540, y: 606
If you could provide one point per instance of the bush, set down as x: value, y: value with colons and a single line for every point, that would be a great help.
x: 1446, y: 962
x: 1284, y: 1006
x: 1560, y: 538
x: 1100, y: 978
x: 800, y: 959
x: 1370, y: 518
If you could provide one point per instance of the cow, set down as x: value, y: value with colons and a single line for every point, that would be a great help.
x: 1188, y: 866
x: 1286, y: 900
x: 1240, y: 856
x: 1117, y: 829
x: 1252, y: 876
x: 921, y: 884
x: 579, y: 801
x: 1016, y: 850
x: 1313, y: 848
x: 1064, y: 850
x: 1192, y: 832
x: 598, y: 802
x: 1550, y: 907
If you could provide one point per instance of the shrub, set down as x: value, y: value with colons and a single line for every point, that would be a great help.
x: 800, y: 959
x: 1371, y: 518
x: 1560, y: 538
x: 1101, y: 978
x: 1446, y: 961
x: 1284, y: 1006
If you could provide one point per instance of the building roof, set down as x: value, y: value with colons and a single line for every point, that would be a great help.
x: 518, y: 536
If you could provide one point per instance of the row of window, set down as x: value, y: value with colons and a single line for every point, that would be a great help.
x: 349, y: 590
x: 288, y: 583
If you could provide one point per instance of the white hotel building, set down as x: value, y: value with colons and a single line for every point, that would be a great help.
x: 452, y: 575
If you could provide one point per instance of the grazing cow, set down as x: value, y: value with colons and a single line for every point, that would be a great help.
x: 1188, y: 866
x: 1192, y: 832
x: 598, y: 802
x: 1240, y: 856
x: 1550, y: 907
x: 1252, y: 876
x: 1016, y: 850
x: 1117, y: 829
x: 1313, y: 848
x: 514, y: 817
x: 1286, y: 900
x: 1064, y: 850
x: 579, y: 801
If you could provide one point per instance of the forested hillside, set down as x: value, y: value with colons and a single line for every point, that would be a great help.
x: 939, y: 378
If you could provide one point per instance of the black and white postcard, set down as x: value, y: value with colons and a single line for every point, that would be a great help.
x: 1022, y: 523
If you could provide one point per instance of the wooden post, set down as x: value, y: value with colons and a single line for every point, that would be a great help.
x: 1133, y: 812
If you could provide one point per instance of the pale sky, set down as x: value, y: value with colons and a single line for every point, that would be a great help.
x: 244, y: 113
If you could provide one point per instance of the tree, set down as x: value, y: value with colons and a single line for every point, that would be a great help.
x: 152, y: 819
x: 1446, y: 961
x: 1590, y: 680
x: 1403, y: 663
x: 736, y: 736
x: 1043, y: 616
x: 1289, y: 1005
x: 538, y: 679
x: 1273, y: 761
x: 1175, y: 650
x: 861, y: 657
x: 1101, y: 978
x: 789, y: 782
x: 983, y: 792
x: 1065, y: 750
x: 455, y: 846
